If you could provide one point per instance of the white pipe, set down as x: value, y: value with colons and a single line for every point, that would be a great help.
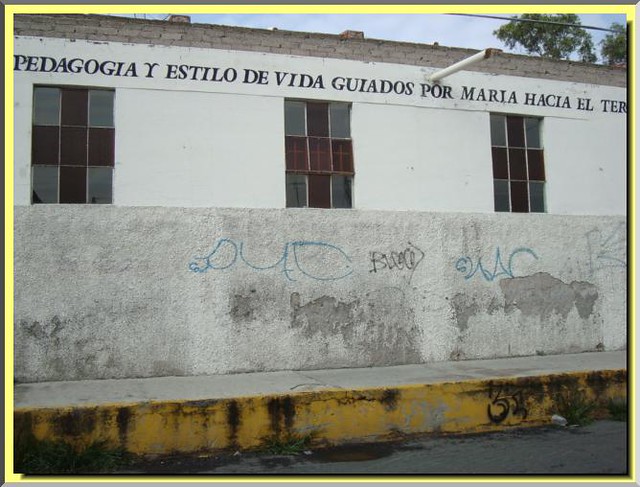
x: 485, y: 54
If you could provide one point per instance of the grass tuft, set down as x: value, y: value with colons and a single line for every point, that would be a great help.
x: 575, y: 408
x: 57, y: 457
x: 290, y: 445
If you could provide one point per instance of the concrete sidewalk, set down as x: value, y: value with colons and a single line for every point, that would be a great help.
x: 187, y: 414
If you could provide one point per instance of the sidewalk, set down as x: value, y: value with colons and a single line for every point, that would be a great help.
x: 189, y: 414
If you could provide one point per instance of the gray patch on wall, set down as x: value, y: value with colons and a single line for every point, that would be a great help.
x: 542, y: 295
x: 377, y: 329
x: 463, y: 308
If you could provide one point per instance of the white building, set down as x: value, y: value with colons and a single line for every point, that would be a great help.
x: 222, y: 130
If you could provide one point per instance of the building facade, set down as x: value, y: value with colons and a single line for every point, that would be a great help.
x: 194, y: 199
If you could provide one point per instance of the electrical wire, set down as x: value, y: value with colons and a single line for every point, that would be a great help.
x: 516, y: 19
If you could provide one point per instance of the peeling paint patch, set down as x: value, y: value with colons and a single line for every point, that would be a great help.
x: 463, y: 308
x: 376, y: 329
x: 543, y: 295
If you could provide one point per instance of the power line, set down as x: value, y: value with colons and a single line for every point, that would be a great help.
x: 549, y: 22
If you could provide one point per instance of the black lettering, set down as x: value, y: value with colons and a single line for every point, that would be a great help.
x: 32, y: 63
x: 171, y: 71
x: 18, y: 61
x: 468, y: 93
x: 91, y: 66
x: 386, y: 86
x: 409, y: 88
x: 150, y: 68
x: 75, y: 65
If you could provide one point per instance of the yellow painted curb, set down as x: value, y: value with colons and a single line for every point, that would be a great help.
x: 330, y: 416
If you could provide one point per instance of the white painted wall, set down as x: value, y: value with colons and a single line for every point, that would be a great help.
x: 199, y: 149
x: 204, y: 144
x: 586, y: 166
x: 409, y: 158
x: 111, y: 291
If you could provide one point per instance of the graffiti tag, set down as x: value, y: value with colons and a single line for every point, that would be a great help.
x: 295, y: 257
x: 466, y: 266
x: 607, y: 250
x: 505, y: 402
x: 406, y: 259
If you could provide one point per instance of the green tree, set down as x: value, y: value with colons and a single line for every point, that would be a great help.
x: 614, y: 45
x: 547, y: 37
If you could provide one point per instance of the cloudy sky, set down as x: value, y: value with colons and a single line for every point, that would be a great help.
x: 447, y: 30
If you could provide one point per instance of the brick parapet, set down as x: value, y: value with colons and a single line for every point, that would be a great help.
x: 156, y: 32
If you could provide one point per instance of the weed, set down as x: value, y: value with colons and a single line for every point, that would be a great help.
x: 58, y: 457
x: 575, y: 408
x: 290, y: 445
x: 618, y: 409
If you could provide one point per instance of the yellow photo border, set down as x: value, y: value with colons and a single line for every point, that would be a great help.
x: 11, y: 10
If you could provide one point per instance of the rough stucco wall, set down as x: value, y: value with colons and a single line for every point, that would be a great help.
x: 150, y: 32
x: 108, y: 292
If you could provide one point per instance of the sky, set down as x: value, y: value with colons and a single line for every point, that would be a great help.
x: 447, y: 30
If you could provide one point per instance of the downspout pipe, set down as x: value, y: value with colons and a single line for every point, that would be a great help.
x: 485, y: 54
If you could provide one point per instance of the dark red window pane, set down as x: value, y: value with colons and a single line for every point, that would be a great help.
x: 74, y: 107
x: 342, y: 155
x: 536, y: 164
x: 515, y: 131
x: 296, y: 153
x: 101, y: 147
x: 73, y: 185
x: 319, y: 191
x: 519, y: 197
x: 319, y: 154
x: 517, y: 164
x: 500, y: 170
x: 45, y: 145
x: 73, y: 146
x: 318, y: 119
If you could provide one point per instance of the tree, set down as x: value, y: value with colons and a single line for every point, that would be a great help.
x: 549, y: 36
x: 614, y: 45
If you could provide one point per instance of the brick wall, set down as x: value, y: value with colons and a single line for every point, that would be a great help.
x: 120, y: 29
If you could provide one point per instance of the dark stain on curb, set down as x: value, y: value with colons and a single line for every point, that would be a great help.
x: 233, y: 419
x: 76, y: 422
x: 390, y: 399
x: 123, y: 418
x: 281, y: 407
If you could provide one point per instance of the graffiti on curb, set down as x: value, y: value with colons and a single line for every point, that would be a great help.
x: 505, y: 401
x: 466, y: 266
x: 315, y: 260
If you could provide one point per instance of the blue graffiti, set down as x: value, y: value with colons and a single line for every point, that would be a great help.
x: 226, y: 253
x: 465, y: 265
x: 607, y: 249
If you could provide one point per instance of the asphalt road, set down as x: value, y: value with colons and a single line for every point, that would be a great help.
x: 597, y: 449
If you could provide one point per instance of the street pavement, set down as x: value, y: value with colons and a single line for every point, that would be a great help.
x: 597, y: 449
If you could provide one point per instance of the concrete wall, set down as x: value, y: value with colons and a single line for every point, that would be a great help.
x: 106, y: 292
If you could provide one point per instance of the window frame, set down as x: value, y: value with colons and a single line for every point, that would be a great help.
x: 292, y: 166
x: 503, y: 159
x: 93, y: 141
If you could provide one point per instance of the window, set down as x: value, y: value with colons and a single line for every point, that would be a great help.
x: 319, y: 154
x: 518, y: 164
x: 72, y: 145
